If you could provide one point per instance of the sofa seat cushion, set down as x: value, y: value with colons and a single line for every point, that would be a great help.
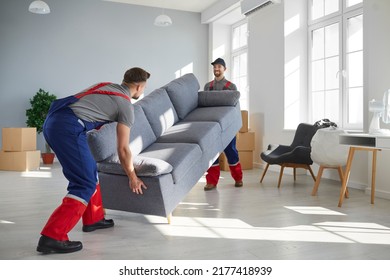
x: 223, y: 115
x: 205, y: 134
x: 183, y: 93
x: 159, y: 111
x: 181, y: 156
x: 143, y: 166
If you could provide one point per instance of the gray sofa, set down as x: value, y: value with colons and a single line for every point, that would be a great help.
x: 178, y: 133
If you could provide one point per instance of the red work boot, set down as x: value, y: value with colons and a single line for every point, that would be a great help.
x: 55, y: 233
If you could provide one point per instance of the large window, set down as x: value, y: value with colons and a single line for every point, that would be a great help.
x: 239, y: 71
x: 336, y: 62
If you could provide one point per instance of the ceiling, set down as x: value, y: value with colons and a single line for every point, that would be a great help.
x: 182, y: 5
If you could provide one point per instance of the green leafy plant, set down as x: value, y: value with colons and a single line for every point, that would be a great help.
x: 36, y: 115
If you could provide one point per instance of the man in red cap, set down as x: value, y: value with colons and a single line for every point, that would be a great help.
x: 212, y: 177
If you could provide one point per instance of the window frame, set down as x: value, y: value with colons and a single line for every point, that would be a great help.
x: 237, y: 52
x: 340, y: 17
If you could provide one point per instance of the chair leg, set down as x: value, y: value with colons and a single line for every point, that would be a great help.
x: 317, y: 181
x: 265, y: 171
x: 295, y: 174
x: 280, y: 175
x: 311, y: 172
x: 341, y: 175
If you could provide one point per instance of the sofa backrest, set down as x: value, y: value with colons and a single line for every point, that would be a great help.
x: 103, y: 141
x: 141, y: 134
x: 183, y: 93
x: 159, y: 111
x: 154, y: 114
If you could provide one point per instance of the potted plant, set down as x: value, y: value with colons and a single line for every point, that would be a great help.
x: 36, y: 115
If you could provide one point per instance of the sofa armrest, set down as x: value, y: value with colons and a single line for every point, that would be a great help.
x: 144, y: 166
x: 218, y: 98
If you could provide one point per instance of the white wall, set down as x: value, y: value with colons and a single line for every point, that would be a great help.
x: 296, y: 63
x: 220, y: 46
x: 266, y: 78
x: 70, y: 49
x: 377, y: 75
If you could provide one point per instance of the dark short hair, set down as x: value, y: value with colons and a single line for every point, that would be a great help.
x: 135, y: 75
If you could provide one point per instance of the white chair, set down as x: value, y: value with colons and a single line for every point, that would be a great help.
x: 327, y: 152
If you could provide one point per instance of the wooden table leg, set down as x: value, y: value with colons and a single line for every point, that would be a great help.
x: 373, y: 175
x: 346, y: 175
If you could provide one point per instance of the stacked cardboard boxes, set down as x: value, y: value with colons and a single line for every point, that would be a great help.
x: 245, y: 145
x: 19, y: 151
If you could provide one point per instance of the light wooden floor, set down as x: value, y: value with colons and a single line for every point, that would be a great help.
x: 257, y: 221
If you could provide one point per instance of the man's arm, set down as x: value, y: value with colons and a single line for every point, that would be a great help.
x: 126, y: 159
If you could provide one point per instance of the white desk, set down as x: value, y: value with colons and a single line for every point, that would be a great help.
x: 362, y: 142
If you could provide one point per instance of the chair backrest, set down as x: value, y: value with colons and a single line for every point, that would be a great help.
x: 304, y: 134
x: 326, y: 149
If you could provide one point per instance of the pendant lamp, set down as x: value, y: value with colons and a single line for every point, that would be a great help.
x: 39, y: 7
x: 163, y: 20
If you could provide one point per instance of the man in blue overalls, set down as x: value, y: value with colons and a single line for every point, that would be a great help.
x: 212, y: 176
x: 65, y: 128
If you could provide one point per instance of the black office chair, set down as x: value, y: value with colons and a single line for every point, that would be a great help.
x: 297, y: 155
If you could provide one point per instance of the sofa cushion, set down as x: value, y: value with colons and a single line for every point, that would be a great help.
x: 224, y: 115
x: 159, y: 111
x: 141, y: 134
x: 202, y: 133
x: 181, y: 156
x: 102, y: 142
x: 143, y: 166
x: 218, y: 98
x: 183, y: 93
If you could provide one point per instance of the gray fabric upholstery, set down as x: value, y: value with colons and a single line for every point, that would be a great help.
x: 141, y: 134
x: 221, y: 114
x: 159, y: 111
x: 181, y: 156
x: 143, y: 166
x: 177, y: 140
x: 201, y: 133
x: 102, y: 142
x: 218, y: 98
x: 183, y: 93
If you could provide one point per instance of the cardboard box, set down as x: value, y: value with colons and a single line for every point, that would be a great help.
x: 246, y: 161
x: 19, y: 139
x: 245, y: 141
x: 245, y: 121
x: 20, y: 161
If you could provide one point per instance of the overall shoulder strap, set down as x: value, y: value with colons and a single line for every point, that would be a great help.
x: 96, y: 90
x: 211, y: 87
x: 226, y: 86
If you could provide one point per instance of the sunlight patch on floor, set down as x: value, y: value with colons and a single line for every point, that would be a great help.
x: 43, y: 172
x: 367, y: 233
x: 313, y: 210
x: 6, y: 222
x: 196, y: 206
x: 37, y: 174
x: 331, y: 232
